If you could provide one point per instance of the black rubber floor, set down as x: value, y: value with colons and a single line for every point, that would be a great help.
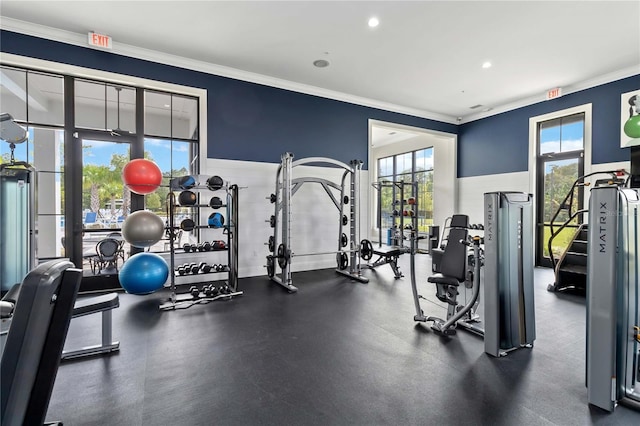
x: 337, y: 352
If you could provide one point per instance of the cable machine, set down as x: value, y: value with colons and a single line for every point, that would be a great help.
x: 17, y: 211
x: 613, y: 314
x: 280, y: 247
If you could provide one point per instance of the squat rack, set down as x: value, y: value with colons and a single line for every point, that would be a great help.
x: 280, y: 243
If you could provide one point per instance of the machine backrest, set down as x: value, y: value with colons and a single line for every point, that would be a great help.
x: 459, y: 221
x: 453, y: 263
x: 34, y: 344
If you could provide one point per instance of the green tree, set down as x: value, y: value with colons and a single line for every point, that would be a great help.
x: 93, y: 177
x: 557, y: 184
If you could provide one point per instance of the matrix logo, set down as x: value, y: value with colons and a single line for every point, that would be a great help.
x: 489, y: 225
x: 602, y: 230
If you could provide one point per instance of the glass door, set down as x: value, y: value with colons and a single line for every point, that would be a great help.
x: 105, y: 204
x: 557, y: 175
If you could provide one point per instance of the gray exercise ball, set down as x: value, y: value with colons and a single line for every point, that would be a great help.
x: 142, y: 229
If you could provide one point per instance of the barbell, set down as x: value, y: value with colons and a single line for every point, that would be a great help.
x: 284, y: 255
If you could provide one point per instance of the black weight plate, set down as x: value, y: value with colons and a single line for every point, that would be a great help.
x: 366, y: 249
x: 271, y: 267
x: 282, y: 257
x: 342, y: 260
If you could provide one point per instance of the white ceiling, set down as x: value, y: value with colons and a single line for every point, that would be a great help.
x: 425, y: 57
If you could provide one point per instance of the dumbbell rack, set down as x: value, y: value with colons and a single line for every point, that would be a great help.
x: 400, y: 232
x: 230, y: 229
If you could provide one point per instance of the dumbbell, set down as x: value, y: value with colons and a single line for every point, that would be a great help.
x: 224, y: 289
x: 195, y: 269
x: 481, y: 226
x: 181, y: 270
x: 207, y: 246
x: 221, y: 268
x: 474, y: 226
x: 200, y: 247
x: 193, y: 290
x: 211, y: 291
x: 206, y: 268
x: 187, y: 247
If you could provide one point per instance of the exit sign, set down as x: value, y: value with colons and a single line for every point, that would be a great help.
x: 99, y: 40
x: 554, y: 93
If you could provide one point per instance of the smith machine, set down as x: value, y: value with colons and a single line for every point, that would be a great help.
x: 349, y: 250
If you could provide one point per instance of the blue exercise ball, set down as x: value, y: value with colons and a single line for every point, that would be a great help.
x: 143, y: 273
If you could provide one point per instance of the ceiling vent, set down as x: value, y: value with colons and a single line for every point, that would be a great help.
x: 475, y: 106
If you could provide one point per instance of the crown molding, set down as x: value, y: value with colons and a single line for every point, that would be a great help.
x: 566, y: 90
x: 80, y: 40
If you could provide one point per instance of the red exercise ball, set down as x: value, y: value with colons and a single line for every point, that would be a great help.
x: 142, y: 176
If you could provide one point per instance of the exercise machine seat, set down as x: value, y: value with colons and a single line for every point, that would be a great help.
x: 100, y: 304
x: 441, y: 279
x: 31, y: 356
x: 96, y: 304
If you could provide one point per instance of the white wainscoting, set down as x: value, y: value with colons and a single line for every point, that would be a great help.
x: 314, y: 221
x: 471, y: 191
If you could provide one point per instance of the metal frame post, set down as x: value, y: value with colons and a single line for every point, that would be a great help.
x: 354, y: 266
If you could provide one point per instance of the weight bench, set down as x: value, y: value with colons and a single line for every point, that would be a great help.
x: 389, y: 255
x: 93, y: 305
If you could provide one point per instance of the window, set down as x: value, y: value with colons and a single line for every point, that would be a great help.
x: 32, y: 97
x: 170, y: 116
x: 414, y: 166
x: 562, y: 134
x: 560, y: 162
x: 174, y: 159
x: 104, y: 106
x: 105, y: 136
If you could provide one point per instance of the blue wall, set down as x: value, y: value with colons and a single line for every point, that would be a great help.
x: 500, y: 144
x: 246, y: 121
x: 252, y: 122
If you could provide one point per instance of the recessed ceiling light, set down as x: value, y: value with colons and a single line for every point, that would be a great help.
x: 167, y: 105
x: 321, y: 63
x: 373, y: 22
x: 486, y: 65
